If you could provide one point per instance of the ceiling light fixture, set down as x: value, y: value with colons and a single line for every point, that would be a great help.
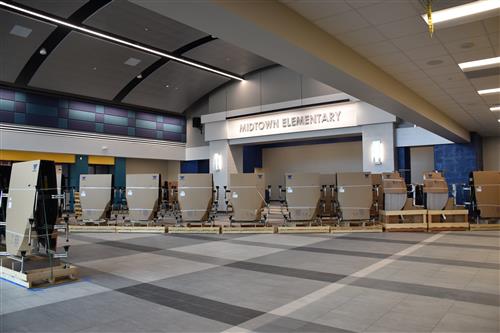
x: 466, y: 10
x: 117, y: 40
x: 43, y: 51
x: 20, y: 31
x: 488, y: 91
x: 479, y: 64
x: 139, y: 76
x: 495, y: 108
x: 132, y: 61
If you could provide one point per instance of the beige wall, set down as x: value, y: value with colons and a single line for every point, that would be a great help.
x: 167, y: 169
x: 491, y: 153
x: 422, y: 160
x: 323, y: 158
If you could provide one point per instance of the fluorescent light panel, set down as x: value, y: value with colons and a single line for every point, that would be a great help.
x: 479, y: 64
x: 458, y: 12
x: 495, y: 108
x: 117, y: 40
x: 488, y: 91
x: 20, y: 31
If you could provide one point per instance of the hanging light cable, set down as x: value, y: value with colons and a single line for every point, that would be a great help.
x: 428, y: 7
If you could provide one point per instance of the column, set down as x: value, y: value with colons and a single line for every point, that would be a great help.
x: 224, y: 160
x: 378, y: 148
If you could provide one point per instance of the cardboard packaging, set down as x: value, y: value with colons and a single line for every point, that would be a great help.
x: 195, y: 196
x: 435, y: 190
x: 487, y: 193
x: 393, y: 191
x: 143, y: 194
x: 303, y: 194
x: 354, y: 191
x: 95, y: 196
x: 247, y: 196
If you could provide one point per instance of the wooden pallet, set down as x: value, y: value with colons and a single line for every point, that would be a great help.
x: 92, y: 228
x: 248, y: 230
x: 141, y: 229
x: 193, y: 230
x: 304, y: 229
x: 460, y: 219
x: 484, y: 227
x: 42, y: 276
x: 386, y: 216
x: 349, y: 229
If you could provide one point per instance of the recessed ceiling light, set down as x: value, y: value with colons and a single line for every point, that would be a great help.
x: 20, y: 31
x: 132, y: 61
x: 479, y: 64
x: 167, y: 86
x: 495, y: 108
x: 434, y: 62
x: 94, y: 68
x: 139, y: 76
x: 488, y: 91
x: 146, y: 29
x: 43, y: 51
x: 462, y: 11
x: 117, y: 40
x: 499, y: 120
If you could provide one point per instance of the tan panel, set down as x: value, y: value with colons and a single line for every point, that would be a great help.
x: 195, y: 196
x: 247, y: 196
x: 20, y: 203
x: 354, y: 190
x: 142, y: 193
x: 95, y: 196
x: 303, y: 193
x: 487, y: 192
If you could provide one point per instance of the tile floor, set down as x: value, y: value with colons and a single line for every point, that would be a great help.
x: 383, y: 282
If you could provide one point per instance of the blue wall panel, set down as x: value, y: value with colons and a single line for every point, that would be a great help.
x: 197, y: 166
x: 457, y: 160
x: 19, y: 107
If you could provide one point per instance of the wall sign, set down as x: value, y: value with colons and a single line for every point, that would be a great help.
x: 310, y: 119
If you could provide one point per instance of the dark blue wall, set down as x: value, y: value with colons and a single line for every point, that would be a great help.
x: 404, y: 163
x: 197, y: 166
x: 457, y: 160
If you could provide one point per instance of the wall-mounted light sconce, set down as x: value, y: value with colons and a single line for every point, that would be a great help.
x: 217, y: 163
x: 377, y: 152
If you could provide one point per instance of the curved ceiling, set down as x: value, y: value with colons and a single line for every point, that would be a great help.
x: 80, y: 64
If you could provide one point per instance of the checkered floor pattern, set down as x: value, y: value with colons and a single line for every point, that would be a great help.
x: 379, y: 282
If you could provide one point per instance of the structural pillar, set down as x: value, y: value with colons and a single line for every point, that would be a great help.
x: 224, y: 160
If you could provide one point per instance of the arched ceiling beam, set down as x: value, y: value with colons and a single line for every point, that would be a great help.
x: 55, y: 38
x: 113, y: 39
x: 156, y: 65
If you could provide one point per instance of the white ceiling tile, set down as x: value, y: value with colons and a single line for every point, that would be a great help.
x: 390, y: 59
x: 494, y: 38
x: 474, y: 55
x: 430, y: 51
x: 415, y: 41
x: 468, y: 44
x: 486, y: 82
x: 491, y: 99
x: 408, y: 67
x: 408, y: 26
x: 436, y: 62
x: 387, y: 11
x: 454, y: 84
x: 459, y: 32
x: 492, y: 24
x: 458, y: 76
x: 375, y: 49
x: 314, y: 10
x: 341, y: 23
x: 363, y: 3
x: 361, y: 37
